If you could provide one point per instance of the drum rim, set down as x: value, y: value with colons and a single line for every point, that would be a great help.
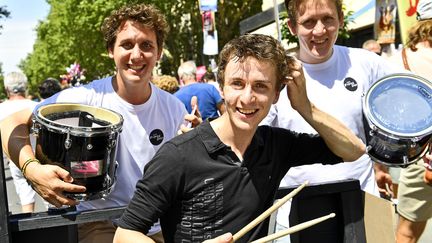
x: 76, y: 130
x: 372, y: 120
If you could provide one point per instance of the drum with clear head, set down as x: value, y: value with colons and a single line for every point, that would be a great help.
x: 398, y: 114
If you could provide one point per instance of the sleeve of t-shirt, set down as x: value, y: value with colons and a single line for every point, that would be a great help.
x: 155, y: 192
x: 216, y: 95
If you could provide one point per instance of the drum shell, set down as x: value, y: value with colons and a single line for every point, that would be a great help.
x: 394, y: 151
x: 81, y: 139
x: 50, y: 149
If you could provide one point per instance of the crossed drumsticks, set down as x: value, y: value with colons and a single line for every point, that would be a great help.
x: 281, y: 233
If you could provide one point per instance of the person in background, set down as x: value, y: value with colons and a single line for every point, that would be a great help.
x: 337, y: 77
x: 15, y: 84
x: 48, y: 88
x: 210, y: 78
x: 373, y: 46
x: 167, y: 83
x: 227, y: 170
x: 134, y: 37
x: 415, y: 194
x: 209, y: 100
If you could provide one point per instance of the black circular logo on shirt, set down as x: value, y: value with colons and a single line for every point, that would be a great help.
x: 350, y: 84
x: 156, y: 137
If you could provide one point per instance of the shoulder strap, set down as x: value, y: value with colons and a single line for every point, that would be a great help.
x: 405, y: 60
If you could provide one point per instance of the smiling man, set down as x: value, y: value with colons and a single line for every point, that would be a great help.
x: 134, y: 38
x: 221, y: 175
x: 337, y: 77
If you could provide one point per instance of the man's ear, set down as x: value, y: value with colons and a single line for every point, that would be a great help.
x: 110, y: 52
x: 160, y: 53
x: 341, y: 21
x: 292, y: 26
x: 276, y: 97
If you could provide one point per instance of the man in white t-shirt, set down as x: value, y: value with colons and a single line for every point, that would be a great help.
x: 15, y: 84
x: 134, y: 37
x: 336, y: 79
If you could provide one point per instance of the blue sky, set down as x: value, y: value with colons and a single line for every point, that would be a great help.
x: 18, y: 33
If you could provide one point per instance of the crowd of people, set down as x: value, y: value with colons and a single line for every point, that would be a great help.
x: 198, y: 159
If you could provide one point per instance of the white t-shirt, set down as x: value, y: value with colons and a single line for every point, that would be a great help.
x: 161, y: 114
x: 9, y: 107
x: 337, y: 87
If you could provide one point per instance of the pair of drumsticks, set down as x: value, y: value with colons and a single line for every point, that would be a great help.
x: 281, y: 233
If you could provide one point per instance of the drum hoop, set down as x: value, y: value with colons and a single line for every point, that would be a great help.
x: 75, y: 130
x: 373, y: 121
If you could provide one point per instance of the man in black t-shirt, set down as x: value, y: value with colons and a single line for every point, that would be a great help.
x: 221, y: 175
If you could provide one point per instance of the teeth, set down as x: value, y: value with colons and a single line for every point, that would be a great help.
x: 247, y: 111
x: 136, y: 67
x: 319, y: 41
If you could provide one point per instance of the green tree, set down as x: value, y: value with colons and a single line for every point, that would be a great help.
x: 4, y: 13
x: 2, y: 88
x: 71, y: 33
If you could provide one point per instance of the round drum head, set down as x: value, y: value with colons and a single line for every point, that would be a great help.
x: 401, y: 105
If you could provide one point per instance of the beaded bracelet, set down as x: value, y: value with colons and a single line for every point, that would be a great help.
x: 26, y: 163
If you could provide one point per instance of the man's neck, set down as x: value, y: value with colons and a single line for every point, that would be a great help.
x: 189, y: 81
x: 16, y: 97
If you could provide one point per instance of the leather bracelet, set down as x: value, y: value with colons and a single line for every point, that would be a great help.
x: 26, y: 163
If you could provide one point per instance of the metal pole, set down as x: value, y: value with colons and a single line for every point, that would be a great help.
x: 276, y: 17
x: 4, y: 208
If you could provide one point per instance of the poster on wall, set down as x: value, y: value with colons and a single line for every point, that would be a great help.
x: 208, y: 5
x: 407, y: 10
x: 385, y: 16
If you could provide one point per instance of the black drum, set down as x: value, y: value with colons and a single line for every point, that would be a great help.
x: 398, y: 114
x: 81, y: 139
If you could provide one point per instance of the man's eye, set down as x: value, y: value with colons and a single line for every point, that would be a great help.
x: 127, y: 46
x: 309, y: 23
x: 147, y: 46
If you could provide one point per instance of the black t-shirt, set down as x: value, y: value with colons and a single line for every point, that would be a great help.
x: 199, y: 188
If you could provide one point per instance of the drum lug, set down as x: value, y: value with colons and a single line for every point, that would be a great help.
x: 368, y: 148
x: 35, y: 127
x: 113, y: 139
x: 405, y: 159
x: 373, y: 130
x: 68, y: 141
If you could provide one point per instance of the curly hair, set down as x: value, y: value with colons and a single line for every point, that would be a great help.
x: 167, y: 83
x: 421, y: 31
x: 262, y: 47
x: 146, y: 14
x: 293, y: 7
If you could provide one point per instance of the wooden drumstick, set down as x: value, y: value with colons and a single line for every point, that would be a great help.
x: 268, y: 212
x: 294, y: 229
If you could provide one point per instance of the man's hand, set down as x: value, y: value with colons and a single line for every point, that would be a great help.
x: 51, y: 181
x: 227, y: 237
x: 384, y: 180
x: 193, y: 119
x: 296, y: 86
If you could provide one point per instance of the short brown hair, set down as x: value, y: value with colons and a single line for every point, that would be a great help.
x: 145, y: 14
x: 259, y: 46
x: 293, y: 7
x: 421, y: 31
